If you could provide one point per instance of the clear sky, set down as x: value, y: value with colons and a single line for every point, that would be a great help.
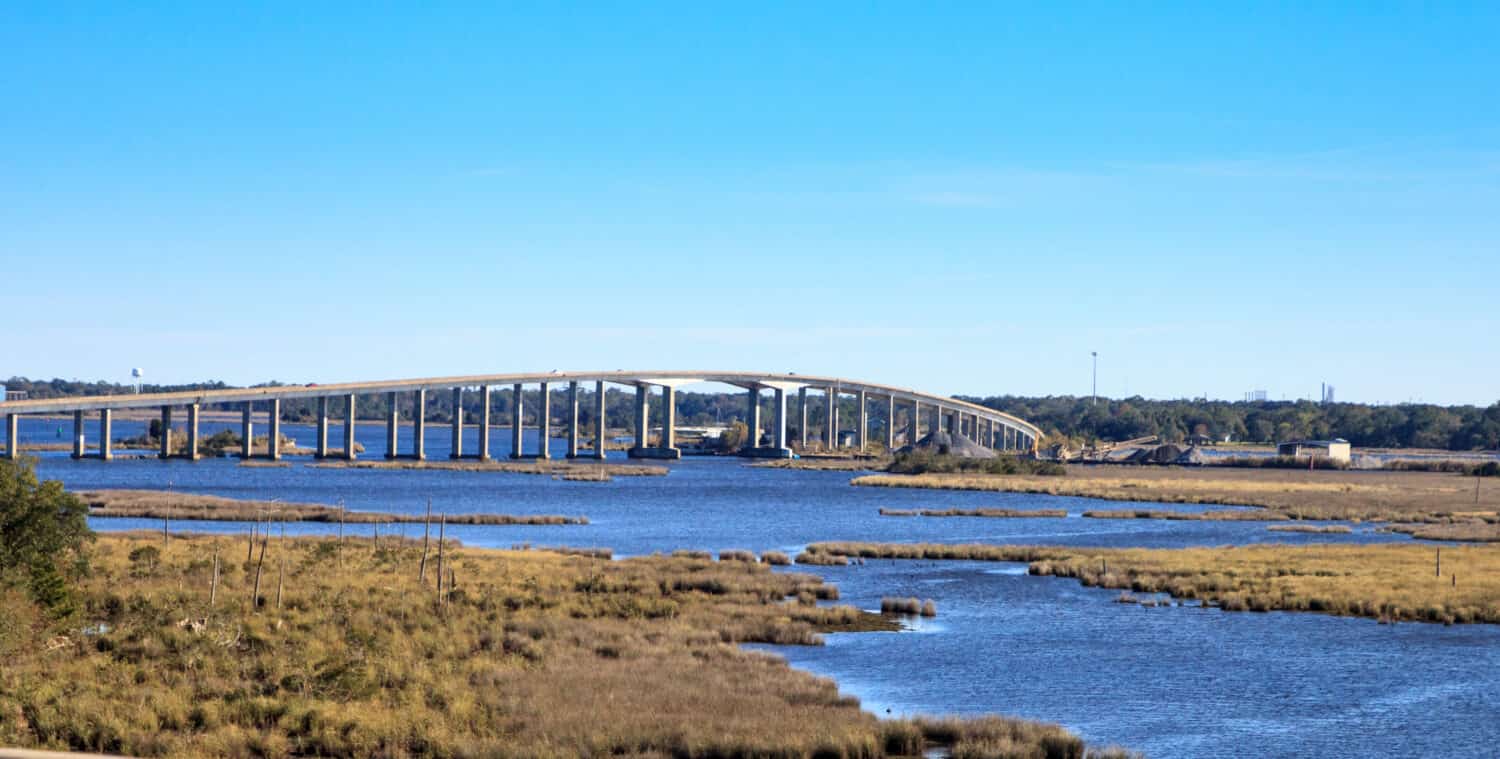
x: 962, y: 197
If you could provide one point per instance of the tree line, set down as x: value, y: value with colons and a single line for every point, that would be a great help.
x: 1410, y: 425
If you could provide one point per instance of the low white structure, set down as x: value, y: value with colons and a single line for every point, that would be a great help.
x: 1333, y: 450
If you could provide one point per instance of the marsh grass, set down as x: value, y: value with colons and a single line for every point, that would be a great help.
x: 737, y: 554
x: 1390, y: 581
x: 511, y: 653
x: 988, y: 513
x: 159, y: 504
x: 1323, y: 495
x: 1470, y: 532
x: 775, y: 558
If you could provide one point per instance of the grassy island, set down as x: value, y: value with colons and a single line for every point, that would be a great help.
x: 1391, y: 581
x: 162, y: 504
x: 1417, y: 497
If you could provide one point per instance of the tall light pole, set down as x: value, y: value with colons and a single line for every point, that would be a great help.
x: 1094, y: 398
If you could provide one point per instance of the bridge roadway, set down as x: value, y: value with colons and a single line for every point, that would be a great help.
x: 983, y: 425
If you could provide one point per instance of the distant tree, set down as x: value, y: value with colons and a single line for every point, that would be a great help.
x: 733, y: 438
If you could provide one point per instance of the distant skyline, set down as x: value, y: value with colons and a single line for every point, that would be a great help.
x: 965, y: 199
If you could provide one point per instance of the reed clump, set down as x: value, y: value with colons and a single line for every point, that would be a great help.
x: 908, y: 606
x: 775, y: 558
x: 988, y: 513
x: 737, y: 554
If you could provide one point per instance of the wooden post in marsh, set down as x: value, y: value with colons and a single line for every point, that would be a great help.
x: 280, y: 559
x: 338, y: 552
x: 377, y: 535
x: 250, y: 544
x: 1439, y: 562
x: 426, y: 532
x: 213, y: 587
x: 442, y: 525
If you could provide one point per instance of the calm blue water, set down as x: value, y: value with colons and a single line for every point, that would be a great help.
x: 1173, y: 682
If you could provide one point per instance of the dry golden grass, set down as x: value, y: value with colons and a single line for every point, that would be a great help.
x: 1296, y: 493
x: 562, y: 468
x: 1472, y: 532
x: 161, y: 504
x: 989, y: 513
x: 1398, y: 582
x: 525, y: 654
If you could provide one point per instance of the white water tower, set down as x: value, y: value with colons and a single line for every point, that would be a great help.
x: 136, y: 375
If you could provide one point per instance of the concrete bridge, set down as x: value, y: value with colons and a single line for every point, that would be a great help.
x: 983, y: 425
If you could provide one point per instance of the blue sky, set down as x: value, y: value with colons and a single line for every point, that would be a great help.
x: 966, y: 198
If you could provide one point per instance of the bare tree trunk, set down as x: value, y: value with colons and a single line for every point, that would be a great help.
x: 250, y: 546
x: 339, y: 554
x: 377, y: 535
x: 213, y: 588
x: 426, y: 532
x: 280, y: 575
x: 255, y: 594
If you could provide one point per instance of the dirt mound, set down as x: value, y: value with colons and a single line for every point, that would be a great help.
x: 943, y: 443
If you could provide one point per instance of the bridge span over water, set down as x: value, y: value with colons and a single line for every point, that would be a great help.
x: 923, y: 412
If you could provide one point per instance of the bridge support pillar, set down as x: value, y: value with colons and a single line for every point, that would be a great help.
x: 752, y: 418
x: 782, y: 449
x: 247, y: 431
x: 642, y: 419
x: 392, y: 425
x: 273, y: 425
x: 669, y: 417
x: 914, y: 426
x: 13, y: 436
x: 830, y: 419
x: 166, y: 433
x: 192, y: 432
x: 349, y: 417
x: 419, y: 425
x: 106, y: 451
x: 573, y: 419
x: 484, y: 422
x: 600, y: 426
x: 802, y: 418
x: 458, y: 424
x: 544, y: 425
x: 79, y: 442
x: 862, y: 425
x: 517, y: 409
x: 890, y: 423
x: 321, y: 452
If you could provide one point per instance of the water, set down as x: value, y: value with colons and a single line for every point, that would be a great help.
x: 1173, y: 682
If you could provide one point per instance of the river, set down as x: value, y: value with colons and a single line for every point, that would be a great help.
x: 1170, y: 681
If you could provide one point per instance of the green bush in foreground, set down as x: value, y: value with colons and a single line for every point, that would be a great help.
x: 43, y: 531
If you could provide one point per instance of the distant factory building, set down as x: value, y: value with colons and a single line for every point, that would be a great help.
x: 1334, y: 450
